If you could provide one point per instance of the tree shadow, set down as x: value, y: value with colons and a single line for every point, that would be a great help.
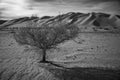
x: 78, y: 73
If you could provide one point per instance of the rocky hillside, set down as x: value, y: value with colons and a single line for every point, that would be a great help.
x: 86, y: 22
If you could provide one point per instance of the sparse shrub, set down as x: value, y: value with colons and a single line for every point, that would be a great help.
x: 106, y: 28
x: 34, y: 16
x: 45, y: 17
x: 45, y: 37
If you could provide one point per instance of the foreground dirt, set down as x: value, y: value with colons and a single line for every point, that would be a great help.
x: 19, y: 62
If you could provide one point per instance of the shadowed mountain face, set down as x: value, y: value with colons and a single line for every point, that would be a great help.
x: 118, y: 16
x: 2, y: 21
x: 86, y: 22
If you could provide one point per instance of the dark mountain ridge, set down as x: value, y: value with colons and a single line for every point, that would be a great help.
x: 85, y: 21
x: 2, y: 21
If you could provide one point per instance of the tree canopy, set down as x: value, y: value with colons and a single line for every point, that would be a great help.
x: 45, y: 37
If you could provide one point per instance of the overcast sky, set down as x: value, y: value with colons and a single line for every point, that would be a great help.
x: 19, y: 8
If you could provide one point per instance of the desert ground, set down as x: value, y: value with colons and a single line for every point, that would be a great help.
x: 90, y: 56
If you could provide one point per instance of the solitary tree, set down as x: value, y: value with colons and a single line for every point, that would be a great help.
x: 44, y: 37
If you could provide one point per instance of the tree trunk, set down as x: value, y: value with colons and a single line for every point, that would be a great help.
x: 44, y: 55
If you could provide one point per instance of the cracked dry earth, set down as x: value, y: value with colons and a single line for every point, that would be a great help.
x: 19, y: 62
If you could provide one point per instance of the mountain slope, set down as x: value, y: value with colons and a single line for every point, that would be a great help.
x: 86, y: 22
x: 17, y: 21
x: 2, y: 21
